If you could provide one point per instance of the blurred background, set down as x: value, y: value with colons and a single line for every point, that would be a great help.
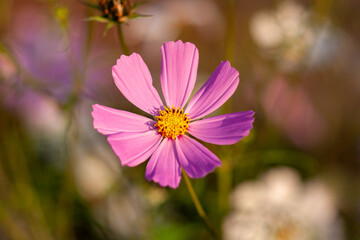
x: 295, y: 177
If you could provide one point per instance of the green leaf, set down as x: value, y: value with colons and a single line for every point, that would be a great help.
x: 108, y: 27
x: 136, y: 15
x: 98, y: 19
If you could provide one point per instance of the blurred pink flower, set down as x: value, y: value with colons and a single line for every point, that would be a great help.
x: 55, y: 57
x: 40, y: 113
x: 42, y: 49
x: 291, y: 109
x: 135, y: 138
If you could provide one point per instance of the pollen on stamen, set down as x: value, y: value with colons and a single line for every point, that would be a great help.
x: 172, y: 122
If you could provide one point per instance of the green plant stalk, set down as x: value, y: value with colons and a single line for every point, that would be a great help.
x: 224, y: 174
x: 70, y: 134
x: 198, y: 206
x: 123, y: 44
x: 230, y: 31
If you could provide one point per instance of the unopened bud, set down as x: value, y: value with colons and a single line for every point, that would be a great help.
x: 116, y: 10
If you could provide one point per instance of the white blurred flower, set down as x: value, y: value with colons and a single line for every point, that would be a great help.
x: 93, y: 177
x: 124, y: 213
x: 265, y: 30
x: 293, y: 37
x: 45, y: 117
x: 271, y: 28
x: 156, y: 196
x: 292, y: 18
x: 279, y: 206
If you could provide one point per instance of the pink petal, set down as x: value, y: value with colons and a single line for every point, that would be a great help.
x: 223, y: 130
x: 133, y: 79
x: 196, y: 159
x: 215, y: 92
x: 109, y: 121
x: 134, y: 148
x: 178, y: 71
x: 163, y: 166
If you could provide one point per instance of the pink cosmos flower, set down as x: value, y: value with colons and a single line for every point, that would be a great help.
x: 164, y: 139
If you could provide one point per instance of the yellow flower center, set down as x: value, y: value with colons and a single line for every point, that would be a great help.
x: 172, y: 122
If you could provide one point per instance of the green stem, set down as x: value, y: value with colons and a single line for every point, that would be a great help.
x: 198, y: 206
x: 225, y: 172
x: 230, y: 31
x: 124, y: 47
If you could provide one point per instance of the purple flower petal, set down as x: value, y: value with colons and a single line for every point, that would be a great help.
x: 109, y: 121
x: 215, y: 92
x: 178, y: 71
x: 134, y: 148
x: 196, y: 159
x: 133, y: 79
x: 163, y: 166
x: 134, y: 138
x: 223, y: 130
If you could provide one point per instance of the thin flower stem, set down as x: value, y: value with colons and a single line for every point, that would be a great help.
x: 198, y: 206
x: 230, y: 30
x: 225, y: 173
x: 124, y: 47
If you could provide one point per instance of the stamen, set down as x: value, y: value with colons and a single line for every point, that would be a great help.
x: 172, y: 122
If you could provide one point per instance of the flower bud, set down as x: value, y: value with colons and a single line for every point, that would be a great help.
x: 116, y: 10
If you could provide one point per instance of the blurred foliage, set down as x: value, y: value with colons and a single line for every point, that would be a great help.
x: 303, y: 88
